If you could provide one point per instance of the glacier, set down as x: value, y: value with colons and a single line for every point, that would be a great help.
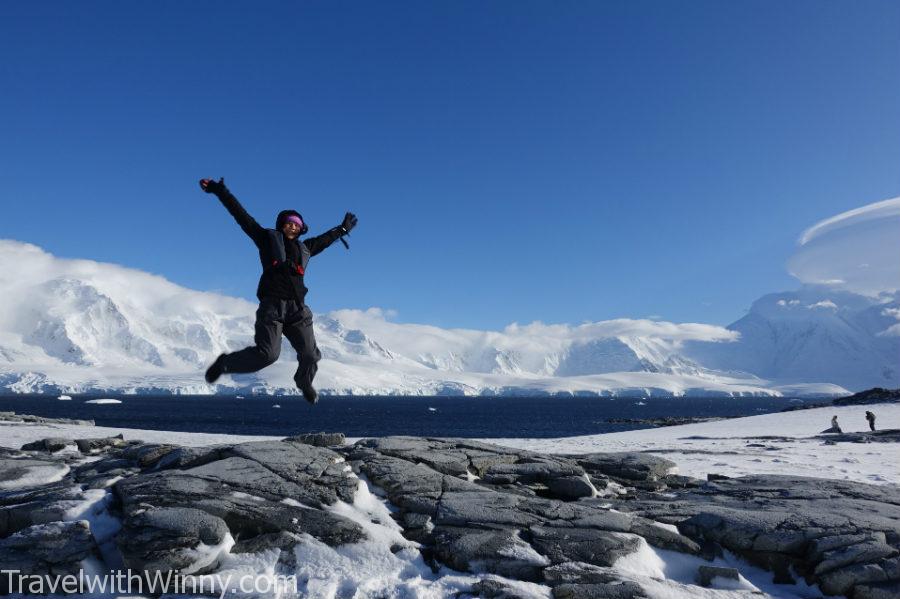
x: 75, y: 326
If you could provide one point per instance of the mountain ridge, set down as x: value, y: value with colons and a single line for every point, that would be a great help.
x: 77, y: 326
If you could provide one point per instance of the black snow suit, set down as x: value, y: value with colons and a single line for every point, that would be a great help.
x: 281, y: 295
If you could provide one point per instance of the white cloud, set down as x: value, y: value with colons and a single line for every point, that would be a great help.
x: 856, y: 251
x: 625, y: 327
x: 876, y: 211
x: 826, y: 304
x: 893, y: 330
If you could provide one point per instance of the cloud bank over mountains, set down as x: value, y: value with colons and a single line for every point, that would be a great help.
x: 79, y: 325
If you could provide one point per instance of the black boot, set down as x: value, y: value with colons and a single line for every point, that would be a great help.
x: 310, y: 394
x: 216, y: 370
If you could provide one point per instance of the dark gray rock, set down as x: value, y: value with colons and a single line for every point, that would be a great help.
x: 869, y: 396
x: 251, y: 477
x: 570, y: 488
x: 839, y: 534
x: 101, y: 473
x: 412, y: 487
x: 51, y: 444
x: 190, y: 457
x: 469, y: 516
x: 414, y: 520
x: 164, y: 539
x: 247, y: 516
x: 538, y: 471
x: 603, y: 519
x: 96, y: 445
x: 627, y: 466
x: 102, y: 466
x: 320, y: 471
x: 593, y: 515
x: 591, y: 546
x: 881, y: 436
x: 28, y: 418
x: 447, y: 456
x: 663, y: 538
x: 20, y: 472
x: 484, y: 508
x: 267, y: 541
x: 579, y: 573
x: 500, y: 551
x: 884, y: 590
x: 53, y: 548
x: 493, y: 588
x: 7, y: 452
x: 818, y: 547
x: 845, y: 580
x: 706, y: 574
x: 62, y: 489
x: 616, y: 590
x: 146, y: 455
x: 265, y: 493
x: 870, y: 550
x: 43, y: 510
x: 318, y: 439
x: 521, y: 515
x: 678, y: 481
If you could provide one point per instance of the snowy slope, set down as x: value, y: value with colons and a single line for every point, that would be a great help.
x: 77, y: 325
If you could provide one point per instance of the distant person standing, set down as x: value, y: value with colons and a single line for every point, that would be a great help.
x: 870, y: 416
x: 835, y: 427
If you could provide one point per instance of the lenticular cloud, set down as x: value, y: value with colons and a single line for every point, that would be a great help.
x: 857, y: 250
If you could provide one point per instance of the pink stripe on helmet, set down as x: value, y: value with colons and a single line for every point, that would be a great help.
x: 294, y: 219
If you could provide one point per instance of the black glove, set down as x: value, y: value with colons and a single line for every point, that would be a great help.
x: 350, y: 221
x: 211, y: 186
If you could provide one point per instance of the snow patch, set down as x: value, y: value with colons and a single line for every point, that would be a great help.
x: 826, y: 304
x: 32, y: 474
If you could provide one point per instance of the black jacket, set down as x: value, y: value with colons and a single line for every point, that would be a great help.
x: 282, y: 276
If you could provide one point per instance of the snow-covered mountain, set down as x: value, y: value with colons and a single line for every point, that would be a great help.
x: 76, y: 325
x: 816, y: 333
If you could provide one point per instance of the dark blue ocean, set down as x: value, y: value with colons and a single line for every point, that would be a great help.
x: 472, y: 417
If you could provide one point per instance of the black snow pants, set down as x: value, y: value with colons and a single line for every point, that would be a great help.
x: 274, y: 317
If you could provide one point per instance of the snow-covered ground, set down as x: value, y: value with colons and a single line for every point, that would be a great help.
x: 738, y: 446
x: 15, y: 435
x: 731, y: 447
x: 728, y: 447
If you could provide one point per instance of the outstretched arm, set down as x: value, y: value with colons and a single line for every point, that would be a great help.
x: 320, y: 242
x: 243, y: 218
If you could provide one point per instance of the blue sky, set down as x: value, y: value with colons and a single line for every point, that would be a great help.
x: 508, y: 161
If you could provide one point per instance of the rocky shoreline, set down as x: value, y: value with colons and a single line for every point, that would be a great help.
x: 870, y: 396
x: 506, y: 515
x: 13, y: 418
x: 666, y: 421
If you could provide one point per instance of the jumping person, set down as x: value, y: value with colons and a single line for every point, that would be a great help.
x: 281, y: 291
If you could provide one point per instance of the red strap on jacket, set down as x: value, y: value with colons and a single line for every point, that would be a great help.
x: 297, y: 267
